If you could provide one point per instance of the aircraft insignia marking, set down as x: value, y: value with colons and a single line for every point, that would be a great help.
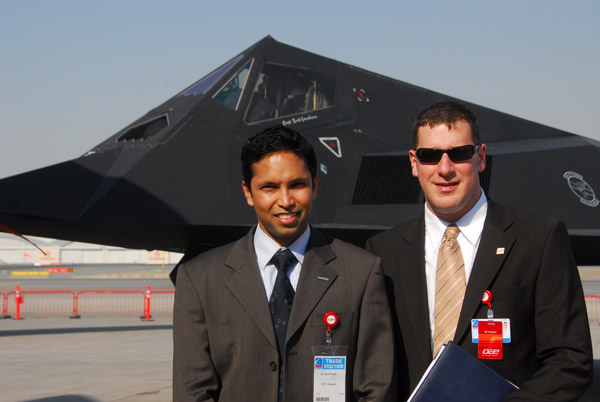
x: 332, y: 144
x: 361, y: 95
x: 581, y: 189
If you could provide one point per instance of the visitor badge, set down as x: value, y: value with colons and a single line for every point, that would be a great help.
x: 329, y: 384
x: 329, y: 378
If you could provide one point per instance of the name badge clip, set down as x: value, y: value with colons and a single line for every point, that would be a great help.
x: 331, y: 320
x: 487, y: 299
x: 329, y: 366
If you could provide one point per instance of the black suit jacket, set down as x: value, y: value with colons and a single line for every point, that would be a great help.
x: 527, y: 264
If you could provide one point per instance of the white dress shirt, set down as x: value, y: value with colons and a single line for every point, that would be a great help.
x: 471, y: 226
x: 265, y: 247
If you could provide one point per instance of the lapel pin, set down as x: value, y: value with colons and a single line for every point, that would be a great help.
x: 322, y: 278
x: 500, y: 251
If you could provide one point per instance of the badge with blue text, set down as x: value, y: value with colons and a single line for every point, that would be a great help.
x: 329, y: 366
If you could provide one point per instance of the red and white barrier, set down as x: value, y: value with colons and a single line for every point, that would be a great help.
x: 88, y: 303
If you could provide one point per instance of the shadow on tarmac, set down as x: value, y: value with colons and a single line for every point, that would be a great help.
x: 64, y: 398
x: 58, y: 331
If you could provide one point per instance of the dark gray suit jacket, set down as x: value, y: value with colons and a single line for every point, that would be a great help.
x: 534, y: 282
x: 224, y: 343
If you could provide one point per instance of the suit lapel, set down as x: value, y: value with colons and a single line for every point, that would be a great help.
x: 410, y: 263
x: 247, y: 286
x: 315, y: 278
x: 495, y: 245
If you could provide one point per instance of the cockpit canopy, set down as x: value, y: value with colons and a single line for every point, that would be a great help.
x: 284, y: 90
x: 279, y: 90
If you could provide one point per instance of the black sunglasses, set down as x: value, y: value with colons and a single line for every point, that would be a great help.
x: 457, y: 154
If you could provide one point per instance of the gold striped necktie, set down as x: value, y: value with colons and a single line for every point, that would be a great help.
x: 450, y: 285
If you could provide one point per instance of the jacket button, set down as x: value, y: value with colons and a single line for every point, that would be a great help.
x: 273, y: 366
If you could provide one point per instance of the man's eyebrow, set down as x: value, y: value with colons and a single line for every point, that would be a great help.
x: 266, y: 182
x: 294, y: 180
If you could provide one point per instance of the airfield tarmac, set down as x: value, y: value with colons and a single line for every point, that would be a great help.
x: 86, y: 360
x: 117, y: 359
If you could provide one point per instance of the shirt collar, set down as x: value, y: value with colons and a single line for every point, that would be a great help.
x: 470, y: 225
x: 265, y: 246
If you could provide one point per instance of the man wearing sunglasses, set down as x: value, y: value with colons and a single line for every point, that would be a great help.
x: 464, y: 246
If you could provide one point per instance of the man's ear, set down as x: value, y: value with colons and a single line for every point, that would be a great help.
x: 481, y: 157
x: 412, y: 154
x: 247, y: 194
x: 315, y: 185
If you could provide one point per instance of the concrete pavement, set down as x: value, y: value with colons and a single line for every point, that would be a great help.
x: 85, y: 360
x: 105, y: 359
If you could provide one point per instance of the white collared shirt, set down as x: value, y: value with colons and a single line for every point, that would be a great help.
x: 265, y: 247
x: 471, y: 226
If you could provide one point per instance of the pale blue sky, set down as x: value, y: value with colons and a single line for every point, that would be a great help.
x: 73, y: 73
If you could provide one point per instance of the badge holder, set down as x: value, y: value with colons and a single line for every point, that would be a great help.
x: 490, y: 334
x: 329, y: 366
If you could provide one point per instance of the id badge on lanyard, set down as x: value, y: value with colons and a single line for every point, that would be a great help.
x: 490, y: 334
x: 329, y: 366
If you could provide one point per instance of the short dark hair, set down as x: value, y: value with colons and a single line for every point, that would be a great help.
x: 446, y: 113
x: 276, y: 139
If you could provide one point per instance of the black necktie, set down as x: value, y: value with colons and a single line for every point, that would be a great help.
x: 282, y: 295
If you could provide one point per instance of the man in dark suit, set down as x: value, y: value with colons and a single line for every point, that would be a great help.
x: 524, y: 261
x: 231, y: 342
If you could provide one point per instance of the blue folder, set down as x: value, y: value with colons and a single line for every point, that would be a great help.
x: 456, y: 376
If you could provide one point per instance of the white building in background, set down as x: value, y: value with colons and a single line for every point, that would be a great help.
x: 16, y: 251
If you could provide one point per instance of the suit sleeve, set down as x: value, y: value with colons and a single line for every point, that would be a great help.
x: 562, y: 334
x: 194, y: 375
x: 374, y: 376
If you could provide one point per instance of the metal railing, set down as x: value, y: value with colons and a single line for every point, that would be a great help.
x: 124, y: 303
x: 22, y: 303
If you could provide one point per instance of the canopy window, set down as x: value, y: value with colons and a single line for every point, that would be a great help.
x: 284, y: 90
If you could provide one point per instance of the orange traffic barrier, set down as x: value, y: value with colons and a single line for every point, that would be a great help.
x: 18, y: 302
x: 4, y: 305
x: 147, y: 316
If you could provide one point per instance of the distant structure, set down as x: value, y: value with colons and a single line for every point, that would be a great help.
x: 15, y: 251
